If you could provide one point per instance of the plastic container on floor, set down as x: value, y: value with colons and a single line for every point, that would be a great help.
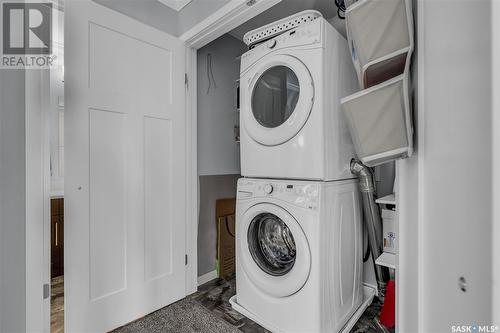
x: 388, y: 312
x: 390, y: 239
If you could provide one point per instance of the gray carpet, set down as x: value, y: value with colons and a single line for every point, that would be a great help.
x: 209, y: 311
x: 185, y: 316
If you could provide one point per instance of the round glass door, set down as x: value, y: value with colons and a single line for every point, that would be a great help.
x: 276, y: 99
x: 271, y: 244
x: 275, y: 96
x: 274, y: 251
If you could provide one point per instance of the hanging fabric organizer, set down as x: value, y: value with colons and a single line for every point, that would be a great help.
x: 380, y: 37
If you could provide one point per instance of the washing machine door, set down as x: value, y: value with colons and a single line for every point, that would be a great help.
x: 274, y: 250
x: 278, y: 99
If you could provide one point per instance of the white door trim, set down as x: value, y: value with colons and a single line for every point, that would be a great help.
x: 38, y: 195
x: 409, y: 275
x: 496, y: 160
x: 37, y: 232
x: 235, y: 13
x: 230, y: 16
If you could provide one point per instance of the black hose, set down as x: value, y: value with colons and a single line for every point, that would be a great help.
x: 367, y: 253
x: 340, y: 8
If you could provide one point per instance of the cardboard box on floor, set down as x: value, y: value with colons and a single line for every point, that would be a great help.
x: 226, y: 231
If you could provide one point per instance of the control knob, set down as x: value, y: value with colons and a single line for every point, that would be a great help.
x: 268, y: 188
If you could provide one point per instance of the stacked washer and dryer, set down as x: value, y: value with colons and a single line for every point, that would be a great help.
x: 299, y: 220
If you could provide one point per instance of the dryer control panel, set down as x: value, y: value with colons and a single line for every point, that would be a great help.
x: 304, y: 35
x: 302, y: 194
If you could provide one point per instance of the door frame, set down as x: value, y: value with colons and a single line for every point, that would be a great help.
x: 230, y: 16
x: 37, y: 230
x: 496, y: 159
x: 38, y: 196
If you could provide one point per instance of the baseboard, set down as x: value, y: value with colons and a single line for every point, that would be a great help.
x: 207, y: 277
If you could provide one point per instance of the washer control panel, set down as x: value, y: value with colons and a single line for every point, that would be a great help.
x: 305, y: 194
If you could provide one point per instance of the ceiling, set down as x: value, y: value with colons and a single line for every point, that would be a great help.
x: 288, y: 7
x: 175, y: 4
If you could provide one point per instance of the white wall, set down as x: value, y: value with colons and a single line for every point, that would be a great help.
x: 496, y: 160
x: 12, y: 202
x: 408, y: 288
x: 218, y: 153
x: 56, y: 113
x: 445, y: 199
x: 162, y: 17
x: 56, y: 140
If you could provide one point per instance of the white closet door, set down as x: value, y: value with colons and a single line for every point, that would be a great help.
x: 125, y: 169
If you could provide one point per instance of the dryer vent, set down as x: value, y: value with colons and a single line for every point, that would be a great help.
x: 371, y: 216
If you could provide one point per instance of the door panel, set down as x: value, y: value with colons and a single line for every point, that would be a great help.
x: 107, y: 178
x: 112, y: 51
x: 158, y: 197
x: 125, y: 177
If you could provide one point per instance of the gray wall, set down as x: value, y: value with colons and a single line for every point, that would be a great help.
x: 384, y: 178
x: 211, y: 189
x: 12, y: 202
x: 218, y: 153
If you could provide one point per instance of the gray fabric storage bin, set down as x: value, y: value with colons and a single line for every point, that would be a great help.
x: 349, y: 3
x: 379, y: 121
x: 380, y: 35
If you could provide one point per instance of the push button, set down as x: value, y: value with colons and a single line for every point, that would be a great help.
x: 271, y: 43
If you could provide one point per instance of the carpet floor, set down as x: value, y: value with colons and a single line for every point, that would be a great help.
x: 206, y: 311
x: 209, y: 311
x: 185, y: 316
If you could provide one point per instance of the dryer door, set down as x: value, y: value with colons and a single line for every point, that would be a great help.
x: 278, y: 99
x: 274, y: 250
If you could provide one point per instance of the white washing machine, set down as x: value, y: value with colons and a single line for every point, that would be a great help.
x: 298, y: 253
x: 291, y: 123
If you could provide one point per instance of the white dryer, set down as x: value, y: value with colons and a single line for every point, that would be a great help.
x: 298, y: 254
x: 291, y: 85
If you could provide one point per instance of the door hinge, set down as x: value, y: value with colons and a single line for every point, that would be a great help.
x: 46, y: 291
x: 185, y: 259
x: 186, y: 80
